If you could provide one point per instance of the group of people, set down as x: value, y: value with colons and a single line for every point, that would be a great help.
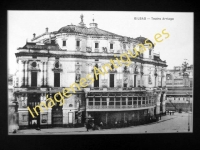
x: 116, y: 124
x: 171, y: 112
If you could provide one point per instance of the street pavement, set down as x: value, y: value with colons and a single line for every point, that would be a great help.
x: 177, y: 123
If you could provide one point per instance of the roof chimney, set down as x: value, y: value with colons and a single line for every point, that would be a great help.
x: 46, y: 30
x: 34, y: 35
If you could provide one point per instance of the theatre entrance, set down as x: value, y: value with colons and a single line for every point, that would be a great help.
x: 34, y: 100
x: 57, y: 115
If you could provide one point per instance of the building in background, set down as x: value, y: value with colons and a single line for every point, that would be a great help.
x: 180, y: 88
x: 55, y: 60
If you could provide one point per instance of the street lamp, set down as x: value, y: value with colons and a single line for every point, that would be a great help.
x: 188, y: 101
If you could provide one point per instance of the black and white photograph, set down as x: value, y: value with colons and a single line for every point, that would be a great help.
x: 100, y: 72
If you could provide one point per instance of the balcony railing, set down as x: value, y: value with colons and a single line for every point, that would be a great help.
x: 118, y: 106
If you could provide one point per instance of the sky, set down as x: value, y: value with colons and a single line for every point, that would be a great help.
x: 174, y: 49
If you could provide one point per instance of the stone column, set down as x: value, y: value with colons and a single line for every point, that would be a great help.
x: 42, y: 74
x: 126, y: 101
x: 46, y: 74
x: 158, y: 103
x: 25, y: 70
x: 107, y: 99
x: 121, y: 102
x: 93, y: 102
x: 49, y: 121
x: 24, y: 63
x: 164, y: 97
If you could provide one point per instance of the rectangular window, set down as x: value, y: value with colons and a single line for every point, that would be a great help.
x: 125, y: 84
x: 33, y: 78
x: 117, y: 101
x: 134, y: 80
x: 96, y: 45
x: 139, y: 102
x: 56, y: 79
x: 123, y: 100
x: 134, y: 102
x: 77, y: 43
x: 111, y: 101
x: 64, y: 43
x: 90, y: 101
x: 143, y: 102
x: 97, y: 100
x: 96, y: 82
x: 104, y: 102
x: 130, y: 101
x: 111, y: 80
x: 111, y: 46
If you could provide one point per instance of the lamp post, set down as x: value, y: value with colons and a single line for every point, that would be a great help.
x: 188, y: 101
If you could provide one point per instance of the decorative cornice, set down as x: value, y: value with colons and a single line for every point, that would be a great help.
x: 86, y: 57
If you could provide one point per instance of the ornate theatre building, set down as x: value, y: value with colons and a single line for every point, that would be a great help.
x: 55, y: 60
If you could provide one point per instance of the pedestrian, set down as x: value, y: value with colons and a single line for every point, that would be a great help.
x: 160, y: 116
x: 170, y: 113
x: 87, y: 126
x: 115, y: 124
x: 101, y: 125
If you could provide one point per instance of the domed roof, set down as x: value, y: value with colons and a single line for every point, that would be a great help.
x: 85, y: 30
x: 73, y: 29
x: 142, y: 40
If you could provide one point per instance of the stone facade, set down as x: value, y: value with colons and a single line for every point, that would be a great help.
x: 55, y: 60
x: 180, y: 88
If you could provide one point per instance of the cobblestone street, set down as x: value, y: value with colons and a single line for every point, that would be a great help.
x: 168, y: 124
